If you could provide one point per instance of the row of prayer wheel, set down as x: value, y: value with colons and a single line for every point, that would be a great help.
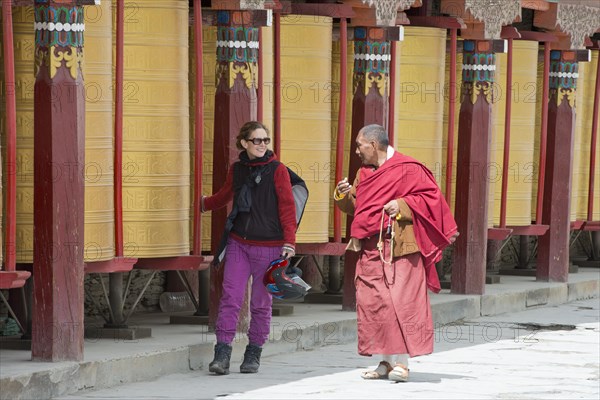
x: 158, y: 123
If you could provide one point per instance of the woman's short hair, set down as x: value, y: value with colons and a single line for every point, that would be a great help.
x: 246, y: 130
x: 376, y: 133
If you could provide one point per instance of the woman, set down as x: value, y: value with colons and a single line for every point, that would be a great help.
x: 263, y: 227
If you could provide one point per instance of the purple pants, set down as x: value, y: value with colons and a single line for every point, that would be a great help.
x: 241, y: 262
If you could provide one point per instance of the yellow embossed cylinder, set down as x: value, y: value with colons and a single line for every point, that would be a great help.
x: 522, y: 135
x: 581, y: 142
x: 99, y: 178
x: 156, y: 156
x: 586, y: 85
x: 420, y: 102
x: 306, y: 114
x: 24, y: 48
x: 593, y: 67
x: 209, y: 44
x: 99, y: 226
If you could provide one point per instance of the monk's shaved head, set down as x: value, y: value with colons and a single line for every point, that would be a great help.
x: 375, y: 133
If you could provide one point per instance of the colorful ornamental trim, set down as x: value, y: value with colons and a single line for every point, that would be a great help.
x: 478, y: 73
x: 372, y: 57
x: 479, y: 67
x: 54, y: 57
x: 237, y: 44
x: 59, y: 26
x: 563, y: 79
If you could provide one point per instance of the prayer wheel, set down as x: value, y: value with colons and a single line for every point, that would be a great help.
x: 522, y: 135
x: 335, y: 104
x: 420, y: 101
x: 99, y: 178
x: 209, y: 56
x: 586, y: 85
x: 99, y: 211
x: 24, y: 49
x: 581, y: 147
x: 306, y: 115
x: 156, y: 146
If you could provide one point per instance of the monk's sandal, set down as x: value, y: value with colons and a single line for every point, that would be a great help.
x: 399, y: 373
x: 381, y: 372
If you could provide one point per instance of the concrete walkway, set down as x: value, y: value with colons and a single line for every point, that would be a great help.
x: 548, y: 352
x: 182, y: 348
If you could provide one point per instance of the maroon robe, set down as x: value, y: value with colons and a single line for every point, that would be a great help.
x: 393, y: 309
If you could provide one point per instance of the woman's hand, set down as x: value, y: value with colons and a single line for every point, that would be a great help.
x: 288, y: 250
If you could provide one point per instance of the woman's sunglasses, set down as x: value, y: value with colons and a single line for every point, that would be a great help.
x: 256, y: 141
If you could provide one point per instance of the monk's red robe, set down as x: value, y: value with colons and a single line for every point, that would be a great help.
x: 393, y: 309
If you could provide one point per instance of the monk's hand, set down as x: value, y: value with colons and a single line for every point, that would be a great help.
x: 391, y: 208
x: 453, y: 238
x: 343, y: 187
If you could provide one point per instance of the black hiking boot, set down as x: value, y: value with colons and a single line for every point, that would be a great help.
x: 220, y: 365
x: 251, y: 359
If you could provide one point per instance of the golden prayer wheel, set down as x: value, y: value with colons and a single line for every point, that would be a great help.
x: 306, y: 115
x: 581, y: 142
x: 335, y: 104
x: 98, y: 170
x: 24, y: 49
x: 586, y: 84
x: 420, y: 101
x: 521, y: 179
x: 209, y: 56
x: 156, y: 154
x: 99, y: 177
x: 593, y: 67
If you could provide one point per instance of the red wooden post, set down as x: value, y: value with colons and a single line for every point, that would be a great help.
x: 198, y: 130
x: 59, y: 121
x: 369, y: 106
x: 11, y: 139
x: 118, y: 156
x: 235, y: 104
x: 474, y: 126
x: 593, y: 141
x: 339, y: 151
x: 553, y: 248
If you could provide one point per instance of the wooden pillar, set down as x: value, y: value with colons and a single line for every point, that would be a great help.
x: 474, y: 130
x: 59, y: 120
x: 553, y: 247
x: 369, y: 106
x: 235, y: 104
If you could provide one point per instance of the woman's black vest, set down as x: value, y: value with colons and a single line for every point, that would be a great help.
x: 258, y: 213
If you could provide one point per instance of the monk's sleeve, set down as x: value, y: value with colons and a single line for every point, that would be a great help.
x: 405, y: 212
x: 346, y: 203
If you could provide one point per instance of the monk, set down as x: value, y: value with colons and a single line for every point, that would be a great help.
x: 401, y: 225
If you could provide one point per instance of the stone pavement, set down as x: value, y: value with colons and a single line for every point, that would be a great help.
x: 541, y: 353
x: 179, y: 349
